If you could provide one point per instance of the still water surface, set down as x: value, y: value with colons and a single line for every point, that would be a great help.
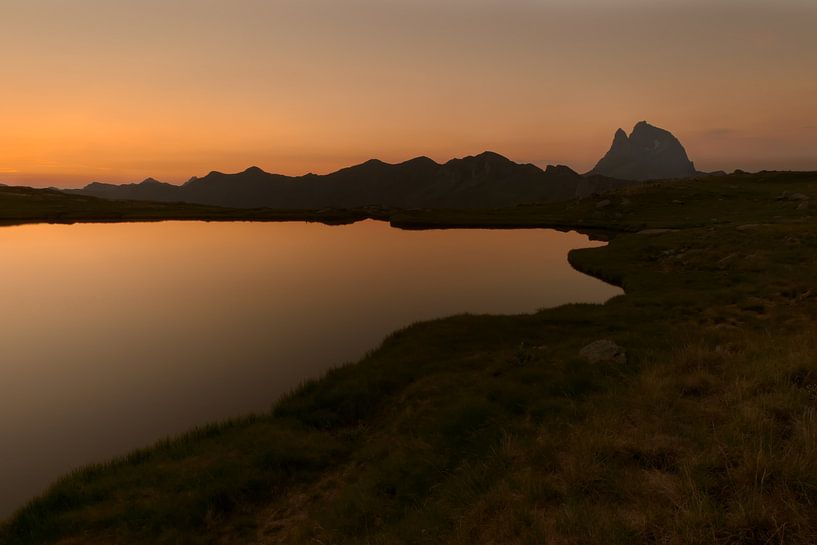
x: 114, y: 335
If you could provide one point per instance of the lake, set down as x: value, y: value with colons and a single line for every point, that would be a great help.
x: 115, y: 335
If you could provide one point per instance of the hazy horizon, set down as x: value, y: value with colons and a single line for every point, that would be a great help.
x: 99, y: 91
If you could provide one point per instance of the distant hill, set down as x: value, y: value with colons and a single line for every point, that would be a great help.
x: 649, y: 153
x: 487, y: 180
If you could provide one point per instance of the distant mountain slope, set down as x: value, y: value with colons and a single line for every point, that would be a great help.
x: 649, y: 153
x: 487, y: 180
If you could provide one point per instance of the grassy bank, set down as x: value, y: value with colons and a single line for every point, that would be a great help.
x: 492, y: 429
x: 19, y: 205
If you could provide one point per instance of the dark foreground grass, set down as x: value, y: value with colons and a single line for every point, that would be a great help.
x: 491, y: 429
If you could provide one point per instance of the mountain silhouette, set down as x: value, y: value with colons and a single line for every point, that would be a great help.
x: 649, y: 153
x: 487, y: 180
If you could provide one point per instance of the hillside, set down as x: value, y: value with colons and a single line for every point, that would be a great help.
x: 483, y: 429
x: 29, y: 205
x: 487, y: 180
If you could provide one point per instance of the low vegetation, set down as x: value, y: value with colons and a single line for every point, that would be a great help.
x: 492, y: 429
x: 27, y: 205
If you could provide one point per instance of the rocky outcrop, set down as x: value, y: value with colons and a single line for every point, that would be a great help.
x: 603, y: 351
x: 649, y: 153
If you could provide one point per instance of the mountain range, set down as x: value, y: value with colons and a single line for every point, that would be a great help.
x: 487, y: 180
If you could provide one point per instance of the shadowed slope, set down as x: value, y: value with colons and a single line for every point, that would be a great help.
x: 487, y: 180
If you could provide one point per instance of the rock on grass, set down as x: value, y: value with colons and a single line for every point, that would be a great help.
x: 603, y: 351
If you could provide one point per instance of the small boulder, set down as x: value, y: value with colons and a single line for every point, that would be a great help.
x: 603, y: 351
x: 803, y: 205
x: 789, y: 196
x: 603, y: 204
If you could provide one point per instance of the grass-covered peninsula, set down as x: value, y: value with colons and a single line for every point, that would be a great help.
x: 19, y: 205
x: 493, y: 429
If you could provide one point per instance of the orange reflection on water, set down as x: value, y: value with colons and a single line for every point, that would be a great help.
x: 114, y: 335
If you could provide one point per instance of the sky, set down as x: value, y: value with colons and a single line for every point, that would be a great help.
x: 118, y: 91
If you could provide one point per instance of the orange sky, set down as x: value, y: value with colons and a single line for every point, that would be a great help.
x: 119, y: 91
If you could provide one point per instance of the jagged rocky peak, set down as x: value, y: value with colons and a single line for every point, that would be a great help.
x: 560, y: 170
x: 421, y: 161
x: 648, y: 137
x: 620, y: 140
x: 492, y: 156
x: 485, y: 159
x: 648, y: 153
x: 95, y: 185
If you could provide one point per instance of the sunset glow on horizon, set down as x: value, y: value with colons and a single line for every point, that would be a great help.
x: 100, y: 90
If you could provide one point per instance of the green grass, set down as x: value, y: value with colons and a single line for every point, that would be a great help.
x: 491, y: 429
